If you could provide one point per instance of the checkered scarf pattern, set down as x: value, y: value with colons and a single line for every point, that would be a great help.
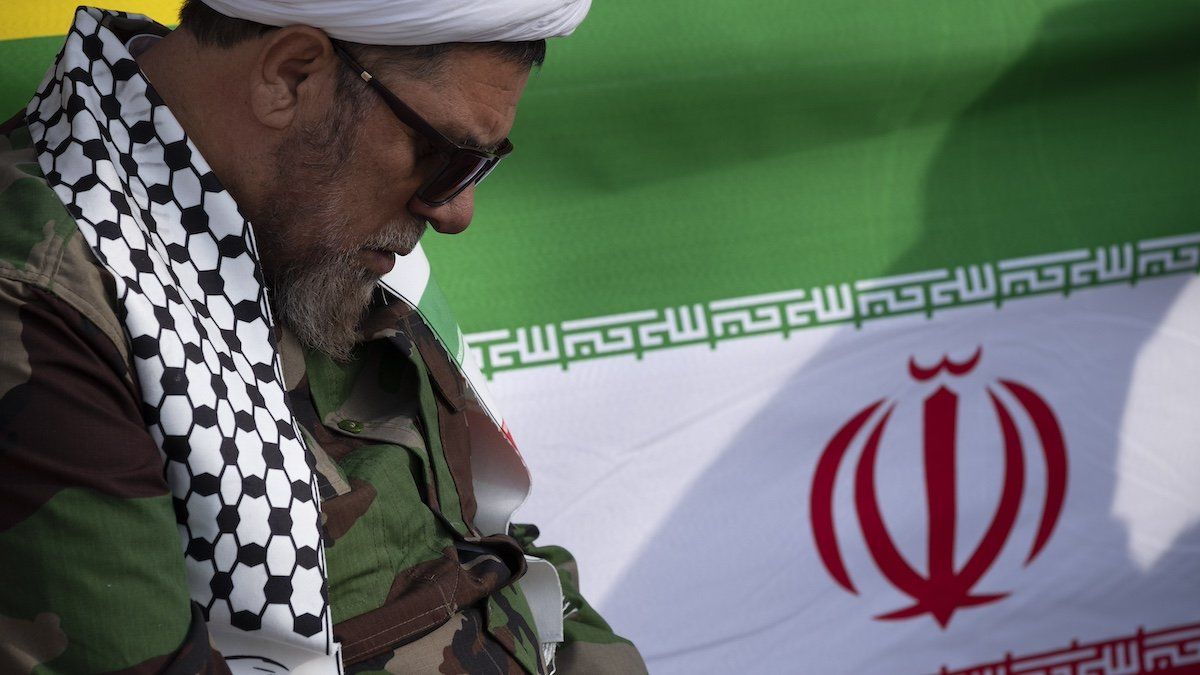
x: 193, y: 302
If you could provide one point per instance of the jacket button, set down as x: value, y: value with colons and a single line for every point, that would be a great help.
x: 351, y: 426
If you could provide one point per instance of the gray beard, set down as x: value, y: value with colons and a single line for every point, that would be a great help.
x: 324, y: 300
x: 324, y: 304
x: 321, y: 293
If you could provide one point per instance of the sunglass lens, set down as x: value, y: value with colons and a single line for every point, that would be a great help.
x: 460, y: 171
x: 487, y: 170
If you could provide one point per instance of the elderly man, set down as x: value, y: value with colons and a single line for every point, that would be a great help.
x: 225, y: 444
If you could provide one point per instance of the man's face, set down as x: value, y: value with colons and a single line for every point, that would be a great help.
x: 341, y: 203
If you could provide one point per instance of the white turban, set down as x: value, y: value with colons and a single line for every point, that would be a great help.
x: 417, y: 22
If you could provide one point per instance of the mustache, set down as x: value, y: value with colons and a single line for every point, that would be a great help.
x: 401, y: 236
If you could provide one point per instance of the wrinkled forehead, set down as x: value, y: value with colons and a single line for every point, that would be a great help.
x: 472, y: 99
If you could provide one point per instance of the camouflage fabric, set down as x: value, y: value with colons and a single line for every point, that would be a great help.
x: 403, y: 560
x: 590, y: 645
x: 95, y: 581
x: 80, y: 478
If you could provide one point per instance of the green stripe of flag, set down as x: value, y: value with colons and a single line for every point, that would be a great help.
x: 23, y: 63
x: 674, y: 152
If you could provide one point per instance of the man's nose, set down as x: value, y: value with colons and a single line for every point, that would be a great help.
x: 450, y: 218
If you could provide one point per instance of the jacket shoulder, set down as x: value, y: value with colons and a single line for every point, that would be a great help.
x: 40, y: 243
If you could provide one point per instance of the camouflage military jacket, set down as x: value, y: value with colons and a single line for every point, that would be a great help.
x: 89, y: 534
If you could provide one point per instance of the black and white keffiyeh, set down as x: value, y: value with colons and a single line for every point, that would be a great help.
x: 190, y: 287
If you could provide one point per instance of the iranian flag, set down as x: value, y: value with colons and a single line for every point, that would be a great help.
x: 857, y: 337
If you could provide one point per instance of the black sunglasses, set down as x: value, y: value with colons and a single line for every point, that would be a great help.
x: 463, y: 167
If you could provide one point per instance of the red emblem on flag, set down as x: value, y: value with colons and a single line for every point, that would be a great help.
x: 944, y: 588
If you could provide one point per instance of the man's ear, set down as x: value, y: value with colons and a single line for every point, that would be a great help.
x: 295, y: 65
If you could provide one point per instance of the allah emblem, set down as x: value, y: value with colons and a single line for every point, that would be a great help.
x: 944, y: 588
